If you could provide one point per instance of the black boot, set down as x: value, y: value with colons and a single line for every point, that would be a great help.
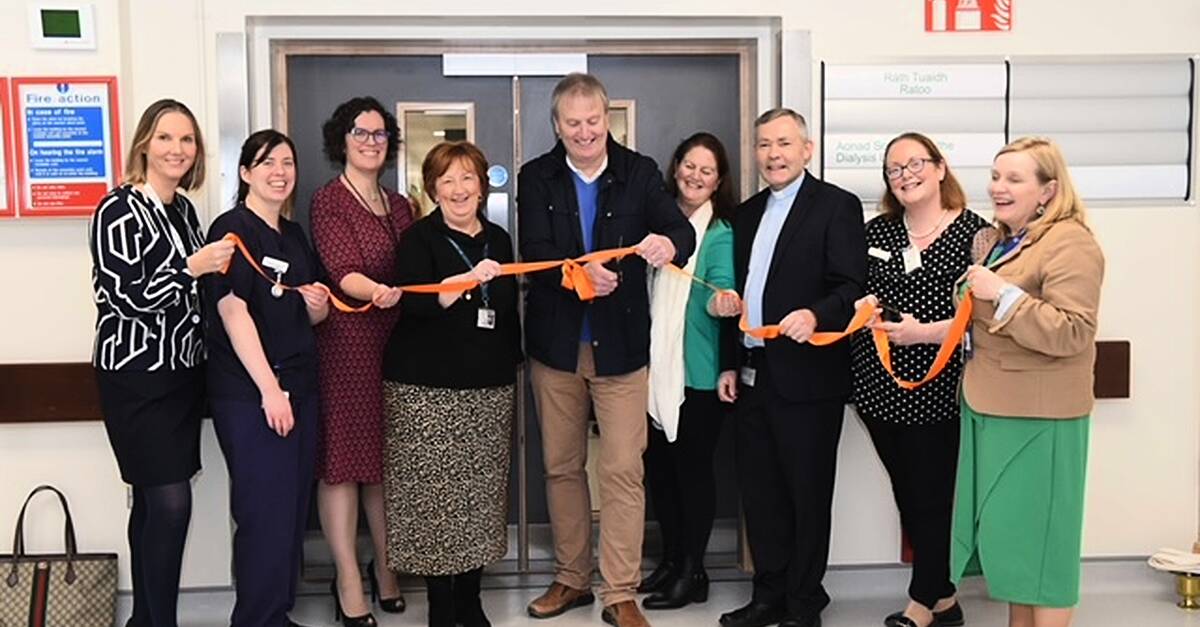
x: 440, y: 591
x: 688, y: 584
x: 658, y: 578
x: 468, y: 608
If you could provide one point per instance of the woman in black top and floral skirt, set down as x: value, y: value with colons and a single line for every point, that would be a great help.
x: 916, y: 249
x: 449, y: 373
x: 147, y: 252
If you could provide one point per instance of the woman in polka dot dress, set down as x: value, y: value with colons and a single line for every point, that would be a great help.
x: 918, y: 245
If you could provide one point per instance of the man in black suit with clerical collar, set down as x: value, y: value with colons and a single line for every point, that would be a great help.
x: 800, y: 259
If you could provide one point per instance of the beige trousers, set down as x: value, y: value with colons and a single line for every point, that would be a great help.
x: 563, y: 400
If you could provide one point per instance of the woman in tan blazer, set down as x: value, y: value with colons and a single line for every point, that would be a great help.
x: 1027, y: 389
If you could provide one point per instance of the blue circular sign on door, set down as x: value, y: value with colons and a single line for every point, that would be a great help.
x: 497, y: 176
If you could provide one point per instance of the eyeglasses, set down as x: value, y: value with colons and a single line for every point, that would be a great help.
x: 361, y: 135
x: 914, y: 165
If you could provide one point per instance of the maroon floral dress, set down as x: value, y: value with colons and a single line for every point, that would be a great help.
x: 349, y: 238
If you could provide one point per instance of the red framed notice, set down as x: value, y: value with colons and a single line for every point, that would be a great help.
x: 8, y: 184
x: 67, y: 135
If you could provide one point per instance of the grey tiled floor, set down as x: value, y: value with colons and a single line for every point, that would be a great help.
x: 1125, y: 593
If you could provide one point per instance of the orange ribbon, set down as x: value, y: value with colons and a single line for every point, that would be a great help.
x: 574, y: 278
x: 862, y: 317
x: 241, y: 246
x: 958, y: 329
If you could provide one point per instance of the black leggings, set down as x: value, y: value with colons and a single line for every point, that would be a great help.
x: 158, y: 526
x: 679, y: 475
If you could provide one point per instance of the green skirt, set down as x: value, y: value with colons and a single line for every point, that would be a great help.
x: 1018, y: 510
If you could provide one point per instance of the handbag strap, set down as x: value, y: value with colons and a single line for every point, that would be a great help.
x: 68, y: 533
x: 68, y: 528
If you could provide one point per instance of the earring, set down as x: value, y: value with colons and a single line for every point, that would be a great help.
x: 1041, y: 210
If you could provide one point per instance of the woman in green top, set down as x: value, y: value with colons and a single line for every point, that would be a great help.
x: 685, y: 413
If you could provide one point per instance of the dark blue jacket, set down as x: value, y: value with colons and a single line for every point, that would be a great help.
x: 632, y: 203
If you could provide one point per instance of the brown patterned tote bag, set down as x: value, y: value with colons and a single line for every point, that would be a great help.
x: 69, y: 589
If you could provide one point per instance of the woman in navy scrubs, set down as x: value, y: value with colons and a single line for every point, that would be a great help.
x: 262, y: 373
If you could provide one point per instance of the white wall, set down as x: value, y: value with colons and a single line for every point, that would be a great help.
x: 1142, y: 491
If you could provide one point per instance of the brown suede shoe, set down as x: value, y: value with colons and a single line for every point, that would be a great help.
x: 624, y: 614
x: 558, y: 599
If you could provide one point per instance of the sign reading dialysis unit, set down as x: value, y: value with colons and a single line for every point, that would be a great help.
x: 968, y: 15
x: 66, y: 143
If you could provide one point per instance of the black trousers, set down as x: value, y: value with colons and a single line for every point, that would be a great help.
x: 786, y: 459
x: 922, y: 461
x: 679, y: 476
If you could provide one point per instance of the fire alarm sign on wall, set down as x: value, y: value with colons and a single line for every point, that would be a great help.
x: 968, y: 15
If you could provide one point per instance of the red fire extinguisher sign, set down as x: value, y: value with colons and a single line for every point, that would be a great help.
x: 959, y: 16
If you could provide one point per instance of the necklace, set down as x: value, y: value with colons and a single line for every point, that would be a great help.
x: 385, y: 220
x: 375, y: 193
x: 930, y: 231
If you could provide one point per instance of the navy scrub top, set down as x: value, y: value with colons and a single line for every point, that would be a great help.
x: 283, y: 325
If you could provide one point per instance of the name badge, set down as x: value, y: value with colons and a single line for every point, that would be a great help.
x: 912, y: 259
x: 486, y: 318
x: 747, y: 375
x: 879, y: 253
x: 278, y: 265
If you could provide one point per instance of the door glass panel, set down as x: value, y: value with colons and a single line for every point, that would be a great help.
x: 424, y: 125
x: 622, y: 122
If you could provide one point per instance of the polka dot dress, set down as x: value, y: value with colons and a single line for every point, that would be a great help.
x: 926, y: 294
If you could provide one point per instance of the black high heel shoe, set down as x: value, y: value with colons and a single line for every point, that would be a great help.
x: 391, y: 606
x: 366, y: 620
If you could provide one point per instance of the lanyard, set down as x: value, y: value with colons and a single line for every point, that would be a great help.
x: 385, y: 220
x: 1005, y: 246
x: 176, y: 238
x: 483, y: 287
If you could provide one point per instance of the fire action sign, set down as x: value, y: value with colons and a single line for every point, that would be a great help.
x: 67, y: 144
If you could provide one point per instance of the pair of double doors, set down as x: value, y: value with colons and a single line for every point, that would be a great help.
x: 658, y: 100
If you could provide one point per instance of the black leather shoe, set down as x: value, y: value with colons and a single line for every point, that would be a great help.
x: 798, y: 621
x: 756, y: 614
x: 658, y: 578
x: 688, y: 585
x: 950, y: 617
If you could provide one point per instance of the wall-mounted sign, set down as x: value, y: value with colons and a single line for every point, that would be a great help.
x: 67, y: 134
x: 943, y: 16
x: 8, y: 186
x: 865, y: 150
x: 965, y: 80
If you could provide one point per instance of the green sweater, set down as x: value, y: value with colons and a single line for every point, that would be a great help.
x: 701, y: 334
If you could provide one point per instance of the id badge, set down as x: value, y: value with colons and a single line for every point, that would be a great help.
x: 968, y: 347
x: 747, y: 375
x: 486, y: 318
x: 912, y: 259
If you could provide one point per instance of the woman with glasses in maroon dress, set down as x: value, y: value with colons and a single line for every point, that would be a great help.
x: 356, y: 226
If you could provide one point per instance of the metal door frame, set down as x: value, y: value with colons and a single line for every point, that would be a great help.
x: 759, y: 43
